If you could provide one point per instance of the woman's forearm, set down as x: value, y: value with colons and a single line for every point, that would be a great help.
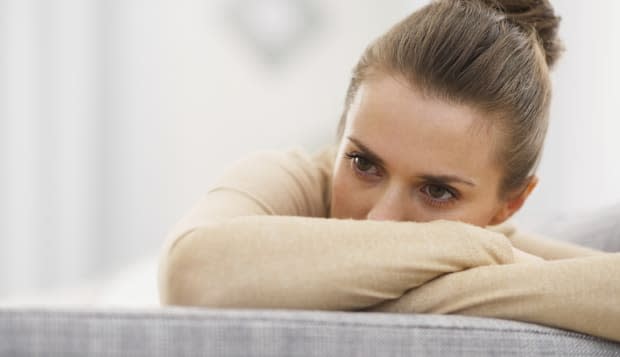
x: 314, y: 263
x: 581, y: 294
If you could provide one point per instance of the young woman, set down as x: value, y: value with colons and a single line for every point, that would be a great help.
x: 443, y: 126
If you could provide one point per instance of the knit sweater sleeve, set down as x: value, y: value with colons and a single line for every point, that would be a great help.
x: 261, y: 238
x: 579, y: 294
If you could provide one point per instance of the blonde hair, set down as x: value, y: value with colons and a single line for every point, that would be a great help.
x: 493, y: 55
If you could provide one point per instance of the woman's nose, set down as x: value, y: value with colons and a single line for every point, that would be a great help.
x: 389, y: 207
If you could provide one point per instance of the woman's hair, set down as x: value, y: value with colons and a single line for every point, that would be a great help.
x: 489, y: 54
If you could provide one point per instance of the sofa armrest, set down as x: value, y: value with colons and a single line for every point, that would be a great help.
x: 598, y: 228
x: 214, y: 332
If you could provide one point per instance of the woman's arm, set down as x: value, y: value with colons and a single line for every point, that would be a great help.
x: 316, y: 263
x: 579, y: 294
x: 544, y: 247
x: 250, y: 243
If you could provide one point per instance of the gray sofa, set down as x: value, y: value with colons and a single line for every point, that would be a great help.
x: 212, y: 332
x: 207, y: 332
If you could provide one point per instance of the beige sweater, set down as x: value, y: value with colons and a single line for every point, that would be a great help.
x: 261, y: 238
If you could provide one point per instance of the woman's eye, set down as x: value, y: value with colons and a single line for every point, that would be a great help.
x: 363, y: 166
x: 439, y: 193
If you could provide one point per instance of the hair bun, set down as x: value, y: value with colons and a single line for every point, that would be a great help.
x: 537, y: 15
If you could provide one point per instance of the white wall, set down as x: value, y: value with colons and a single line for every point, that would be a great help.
x: 48, y: 122
x: 580, y: 168
x: 116, y: 115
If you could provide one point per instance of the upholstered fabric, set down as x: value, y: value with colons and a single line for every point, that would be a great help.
x: 206, y: 332
x: 598, y: 229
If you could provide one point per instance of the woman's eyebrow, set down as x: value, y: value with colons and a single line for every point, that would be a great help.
x: 371, y: 154
x: 444, y: 179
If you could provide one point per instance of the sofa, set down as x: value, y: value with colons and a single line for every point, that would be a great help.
x: 209, y: 332
x: 116, y: 330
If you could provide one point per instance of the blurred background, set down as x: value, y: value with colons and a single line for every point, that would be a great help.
x: 117, y: 115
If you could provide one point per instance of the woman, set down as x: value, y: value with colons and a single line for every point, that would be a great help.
x: 443, y: 126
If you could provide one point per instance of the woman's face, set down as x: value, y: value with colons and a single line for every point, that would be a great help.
x: 406, y: 157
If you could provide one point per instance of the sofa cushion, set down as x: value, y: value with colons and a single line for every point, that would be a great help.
x: 598, y: 228
x: 213, y: 332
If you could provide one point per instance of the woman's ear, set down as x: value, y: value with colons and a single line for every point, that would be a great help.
x: 514, y: 202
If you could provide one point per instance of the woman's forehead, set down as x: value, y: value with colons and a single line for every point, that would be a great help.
x: 409, y: 129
